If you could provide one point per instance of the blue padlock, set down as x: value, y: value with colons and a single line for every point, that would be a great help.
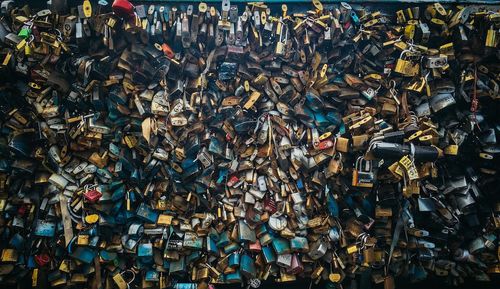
x: 247, y: 267
x: 269, y: 255
x: 281, y: 246
x: 233, y: 277
x: 234, y: 260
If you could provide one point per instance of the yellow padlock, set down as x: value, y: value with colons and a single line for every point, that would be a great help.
x: 21, y: 44
x: 400, y: 16
x: 334, y: 277
x: 92, y: 219
x: 7, y: 58
x: 352, y: 249
x: 317, y: 4
x: 87, y: 8
x: 491, y: 38
x: 34, y: 278
x: 406, y: 67
x: 409, y: 31
x: 325, y: 135
x: 27, y: 50
x: 451, y: 150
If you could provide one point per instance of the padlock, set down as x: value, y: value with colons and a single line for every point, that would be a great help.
x: 335, y: 165
x: 317, y: 250
x: 491, y: 38
x: 436, y: 61
x: 316, y: 273
x: 368, y: 255
x: 342, y: 144
x: 25, y: 31
x: 91, y: 194
x: 362, y: 175
x: 282, y: 38
x: 284, y: 260
x: 406, y: 67
x: 269, y: 255
x: 123, y: 8
x: 252, y: 150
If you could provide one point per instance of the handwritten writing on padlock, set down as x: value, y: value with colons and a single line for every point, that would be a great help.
x: 406, y: 66
x: 410, y: 168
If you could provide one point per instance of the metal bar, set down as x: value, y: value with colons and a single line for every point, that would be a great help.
x: 333, y: 1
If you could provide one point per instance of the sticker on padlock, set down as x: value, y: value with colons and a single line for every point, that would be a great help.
x: 326, y: 144
x: 409, y: 166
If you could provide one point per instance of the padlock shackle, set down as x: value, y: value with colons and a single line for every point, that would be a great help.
x: 401, y: 56
x: 358, y: 162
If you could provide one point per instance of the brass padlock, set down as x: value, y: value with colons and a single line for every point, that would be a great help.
x: 406, y: 67
x: 369, y: 255
x: 342, y: 144
x: 389, y: 282
x: 334, y: 166
x: 317, y: 272
x: 491, y: 38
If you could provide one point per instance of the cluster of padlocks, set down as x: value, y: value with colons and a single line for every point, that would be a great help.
x: 185, y: 146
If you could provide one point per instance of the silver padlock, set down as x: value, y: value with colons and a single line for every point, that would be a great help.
x: 205, y: 157
x: 317, y: 249
x: 436, y: 61
x: 284, y: 260
x: 261, y: 181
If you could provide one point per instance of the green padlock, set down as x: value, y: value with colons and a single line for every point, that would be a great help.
x: 25, y: 32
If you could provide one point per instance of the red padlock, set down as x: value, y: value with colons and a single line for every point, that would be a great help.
x: 232, y: 181
x: 92, y: 195
x: 168, y: 51
x: 326, y: 144
x: 296, y: 267
x: 270, y: 205
x: 42, y: 259
x: 22, y: 210
x: 123, y: 9
x: 255, y: 247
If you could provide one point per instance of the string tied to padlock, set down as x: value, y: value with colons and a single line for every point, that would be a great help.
x: 475, y: 102
x: 393, y: 91
x: 411, y: 45
x: 361, y: 244
x: 59, y: 35
x: 427, y: 87
x: 361, y: 240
